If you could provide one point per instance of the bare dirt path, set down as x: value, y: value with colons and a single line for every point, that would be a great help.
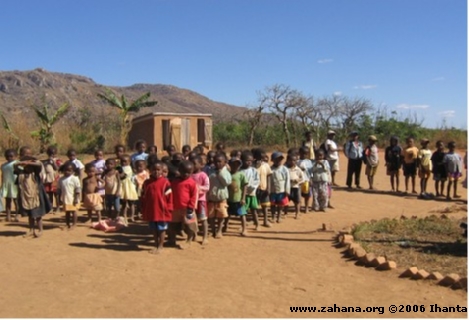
x: 87, y: 273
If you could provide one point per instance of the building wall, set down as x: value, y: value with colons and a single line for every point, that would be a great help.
x: 143, y: 129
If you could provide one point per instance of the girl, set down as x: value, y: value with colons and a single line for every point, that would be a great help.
x: 262, y: 193
x: 186, y: 149
x: 203, y: 185
x: 119, y: 151
x: 69, y: 190
x: 209, y: 166
x: 439, y: 168
x: 297, y: 178
x: 372, y: 160
x: 92, y: 200
x: 100, y: 166
x: 453, y: 164
x: 140, y: 147
x: 51, y: 167
x: 152, y: 150
x: 305, y: 164
x: 237, y: 195
x: 129, y: 192
x: 9, y: 187
x: 393, y: 160
x: 253, y: 181
x: 112, y: 187
x: 410, y: 163
x: 79, y: 167
x: 425, y: 166
x: 279, y: 185
x: 321, y: 176
x: 139, y: 179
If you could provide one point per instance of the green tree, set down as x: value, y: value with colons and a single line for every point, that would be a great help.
x: 47, y: 119
x: 126, y: 108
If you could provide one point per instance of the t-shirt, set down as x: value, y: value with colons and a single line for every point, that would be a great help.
x: 68, y: 187
x: 453, y: 163
x: 184, y: 193
x: 264, y: 171
x: 410, y: 154
x: 219, y: 182
x: 157, y: 200
x: 296, y: 177
x: 393, y: 157
x: 438, y: 164
x: 252, y: 177
x: 321, y: 171
x: 78, y: 164
x: 372, y: 157
x: 138, y: 156
x: 305, y: 165
x: 424, y: 156
x: 331, y: 155
x: 100, y: 165
x: 203, y: 184
x: 279, y: 180
x: 238, y: 182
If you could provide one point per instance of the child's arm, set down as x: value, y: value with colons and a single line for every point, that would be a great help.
x: 205, y: 186
x: 118, y: 193
x: 192, y: 204
x: 287, y: 181
x: 244, y: 187
x: 256, y: 180
x: 224, y: 177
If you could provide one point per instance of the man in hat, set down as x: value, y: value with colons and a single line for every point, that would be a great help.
x: 353, y: 150
x: 332, y: 155
x: 309, y: 143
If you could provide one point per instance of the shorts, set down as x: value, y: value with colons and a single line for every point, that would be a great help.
x: 310, y: 190
x: 251, y: 203
x: 279, y: 199
x: 454, y: 176
x: 111, y: 200
x: 93, y: 201
x: 410, y: 169
x: 371, y: 171
x: 263, y: 198
x: 236, y: 209
x: 392, y: 171
x: 440, y: 176
x: 424, y: 174
x: 217, y: 209
x: 201, y: 211
x: 50, y: 187
x: 158, y: 225
x: 334, y: 164
x: 295, y: 195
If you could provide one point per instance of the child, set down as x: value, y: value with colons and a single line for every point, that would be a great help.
x: 173, y: 165
x: 100, y: 165
x: 51, y: 167
x: 9, y: 187
x: 185, y: 202
x: 140, y: 146
x: 372, y: 160
x: 262, y: 193
x: 186, y: 149
x: 237, y: 195
x: 203, y: 185
x: 393, y: 161
x: 112, y: 187
x: 305, y: 164
x: 410, y: 163
x: 210, y: 163
x: 453, y: 164
x: 321, y: 176
x: 119, y: 151
x: 439, y: 168
x: 220, y: 179
x: 279, y: 185
x: 72, y: 157
x: 69, y: 189
x: 171, y: 149
x: 253, y: 181
x: 92, y: 200
x: 152, y: 150
x: 157, y: 205
x: 425, y: 166
x: 139, y: 179
x: 128, y: 190
x: 297, y: 178
x: 32, y: 200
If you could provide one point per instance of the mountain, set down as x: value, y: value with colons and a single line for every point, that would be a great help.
x: 21, y: 89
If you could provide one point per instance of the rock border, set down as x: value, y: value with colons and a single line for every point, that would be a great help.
x: 355, y: 251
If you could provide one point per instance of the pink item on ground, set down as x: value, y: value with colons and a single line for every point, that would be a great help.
x: 109, y: 225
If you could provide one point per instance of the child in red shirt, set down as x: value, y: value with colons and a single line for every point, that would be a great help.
x: 185, y: 202
x: 157, y: 204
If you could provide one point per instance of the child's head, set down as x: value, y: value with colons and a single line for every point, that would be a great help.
x: 186, y: 149
x: 140, y: 146
x: 119, y: 150
x: 235, y: 154
x: 164, y: 169
x: 185, y: 169
x: 110, y: 164
x: 394, y: 141
x: 171, y: 149
x: 152, y: 158
x: 265, y: 157
x: 140, y: 165
x: 277, y: 158
x: 292, y: 151
x: 90, y: 169
x: 26, y: 151
x: 409, y: 141
x: 304, y: 153
x: 10, y: 154
x: 452, y: 146
x: 177, y: 158
x: 291, y: 160
x: 51, y: 151
x: 440, y: 145
x: 424, y: 143
x: 68, y: 168
x: 220, y: 146
x: 156, y: 169
x: 192, y: 155
x: 71, y: 154
x: 308, y: 135
x: 211, y: 157
x: 320, y: 154
x: 198, y: 163
x: 199, y: 149
x: 203, y: 158
x: 220, y: 161
x: 152, y: 149
x: 99, y: 155
x: 27, y: 168
x: 125, y: 160
x: 235, y: 164
x: 247, y: 159
x: 372, y: 139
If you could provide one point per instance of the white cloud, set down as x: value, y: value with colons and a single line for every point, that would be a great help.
x: 439, y: 79
x: 412, y: 106
x: 447, y: 113
x: 337, y: 93
x: 325, y: 60
x: 366, y: 86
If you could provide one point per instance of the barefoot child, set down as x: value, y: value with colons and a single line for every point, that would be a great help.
x: 237, y: 195
x: 321, y: 176
x: 305, y: 164
x: 92, y: 200
x: 112, y: 187
x: 253, y: 181
x: 51, y: 168
x: 372, y: 160
x: 425, y: 166
x: 279, y: 186
x: 152, y: 150
x: 9, y: 187
x: 79, y: 167
x: 439, y: 168
x: 140, y: 147
x: 69, y: 190
x: 139, y: 179
x: 297, y: 178
x: 220, y: 179
x: 393, y: 163
x: 410, y: 163
x: 203, y: 185
x: 129, y: 194
x: 453, y: 164
x: 262, y: 194
x: 184, y: 202
x: 157, y: 204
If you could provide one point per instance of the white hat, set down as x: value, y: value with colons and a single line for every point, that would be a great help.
x: 330, y: 132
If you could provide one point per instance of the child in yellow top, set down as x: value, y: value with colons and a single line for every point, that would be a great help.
x: 424, y: 156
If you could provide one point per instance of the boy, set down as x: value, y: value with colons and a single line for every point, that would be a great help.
x: 321, y: 176
x: 393, y: 161
x: 453, y: 164
x: 305, y: 165
x: 410, y: 163
x: 439, y: 169
x: 203, y: 185
x: 297, y: 178
x: 279, y: 186
x: 237, y: 195
x: 140, y: 147
x: 69, y: 189
x: 185, y: 202
x: 79, y: 167
x: 372, y: 160
x: 112, y: 189
x: 262, y: 193
x: 92, y: 200
x: 425, y: 166
x: 253, y: 181
x: 220, y: 179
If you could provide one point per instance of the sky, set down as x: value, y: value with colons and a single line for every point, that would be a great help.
x: 408, y: 56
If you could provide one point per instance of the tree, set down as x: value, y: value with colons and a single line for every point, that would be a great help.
x: 254, y: 116
x: 45, y: 134
x: 350, y: 110
x: 126, y: 109
x: 13, y: 139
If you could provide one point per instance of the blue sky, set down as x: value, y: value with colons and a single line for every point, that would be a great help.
x: 406, y: 55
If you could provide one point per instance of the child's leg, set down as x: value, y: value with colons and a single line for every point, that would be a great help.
x: 448, y: 190
x: 172, y: 230
x: 391, y: 178
x: 219, y: 233
x: 204, y: 232
x: 297, y: 209
x: 265, y: 211
x: 455, y: 189
x: 315, y: 196
x: 437, y: 189
x: 8, y: 208
x: 413, y: 184
x: 39, y: 227
x: 51, y: 198
x: 190, y: 233
x: 57, y: 203
x: 75, y: 219
x: 323, y: 196
x: 406, y: 181
x: 243, y: 225
x: 98, y: 213
x: 156, y: 238
x: 67, y: 218
x: 131, y: 207
x: 372, y: 181
x: 31, y: 226
x: 397, y: 181
x: 256, y: 218
x: 307, y: 203
x: 442, y: 188
x: 90, y: 216
x: 211, y: 222
x: 15, y: 201
x: 425, y: 182
x: 279, y: 213
x: 226, y: 223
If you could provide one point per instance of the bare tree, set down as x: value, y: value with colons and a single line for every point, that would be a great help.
x: 254, y: 116
x: 350, y: 110
x: 329, y: 108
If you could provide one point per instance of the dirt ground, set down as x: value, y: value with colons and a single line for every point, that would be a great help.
x: 87, y: 273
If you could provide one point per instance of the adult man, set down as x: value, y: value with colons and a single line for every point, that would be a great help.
x: 353, y: 150
x: 332, y: 154
x: 309, y: 143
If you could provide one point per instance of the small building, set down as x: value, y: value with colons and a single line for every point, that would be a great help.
x: 163, y: 129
